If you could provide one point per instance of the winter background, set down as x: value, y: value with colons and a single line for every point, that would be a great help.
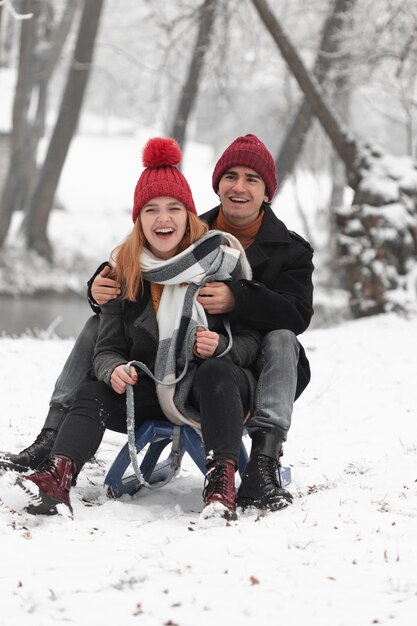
x: 344, y: 554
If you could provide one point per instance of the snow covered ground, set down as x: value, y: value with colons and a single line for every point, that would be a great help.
x: 344, y: 554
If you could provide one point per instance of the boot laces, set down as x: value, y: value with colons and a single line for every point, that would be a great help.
x: 64, y: 479
x: 43, y: 438
x: 269, y: 469
x: 49, y: 468
x: 216, y: 481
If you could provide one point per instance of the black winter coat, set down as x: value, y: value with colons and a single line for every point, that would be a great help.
x: 129, y: 331
x: 280, y: 295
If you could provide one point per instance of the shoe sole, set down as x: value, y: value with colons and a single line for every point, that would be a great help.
x: 9, y: 466
x: 218, y: 510
x: 42, y: 504
x: 246, y: 503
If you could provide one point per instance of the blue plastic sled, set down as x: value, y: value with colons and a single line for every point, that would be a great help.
x: 158, y: 435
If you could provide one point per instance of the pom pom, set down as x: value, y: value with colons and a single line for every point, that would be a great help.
x: 159, y: 152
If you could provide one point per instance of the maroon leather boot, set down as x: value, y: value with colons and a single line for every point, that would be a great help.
x: 219, y: 492
x: 54, y: 484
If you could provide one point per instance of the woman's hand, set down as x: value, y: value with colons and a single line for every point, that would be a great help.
x: 206, y: 342
x: 119, y: 378
x: 104, y: 289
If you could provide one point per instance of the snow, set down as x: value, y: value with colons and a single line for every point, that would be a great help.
x: 394, y: 214
x: 343, y: 554
x: 379, y: 184
x: 386, y: 176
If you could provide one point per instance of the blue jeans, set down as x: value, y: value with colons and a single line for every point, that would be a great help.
x: 277, y: 382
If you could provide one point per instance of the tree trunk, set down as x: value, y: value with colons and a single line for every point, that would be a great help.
x: 190, y: 88
x: 342, y: 100
x: 294, y: 140
x: 27, y: 164
x: 1, y: 46
x: 49, y: 60
x: 37, y: 65
x: 46, y: 61
x: 15, y: 181
x: 9, y: 28
x: 70, y: 109
x: 343, y: 144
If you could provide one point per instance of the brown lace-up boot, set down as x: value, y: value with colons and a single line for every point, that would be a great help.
x: 54, y: 484
x: 219, y: 492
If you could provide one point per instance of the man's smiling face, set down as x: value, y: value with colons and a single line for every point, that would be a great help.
x: 242, y: 192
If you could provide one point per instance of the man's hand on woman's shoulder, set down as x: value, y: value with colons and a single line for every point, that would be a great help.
x: 104, y: 289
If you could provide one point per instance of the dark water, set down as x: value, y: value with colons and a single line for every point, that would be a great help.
x: 62, y: 315
x: 65, y: 315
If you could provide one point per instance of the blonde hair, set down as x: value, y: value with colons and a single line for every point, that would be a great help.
x: 126, y: 257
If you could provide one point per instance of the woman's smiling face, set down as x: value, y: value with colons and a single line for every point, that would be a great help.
x: 164, y: 221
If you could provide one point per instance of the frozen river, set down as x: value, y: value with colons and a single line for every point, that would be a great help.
x: 63, y: 315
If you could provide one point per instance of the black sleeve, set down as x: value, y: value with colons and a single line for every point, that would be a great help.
x: 287, y: 304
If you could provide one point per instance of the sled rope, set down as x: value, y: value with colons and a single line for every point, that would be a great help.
x: 175, y: 448
x: 130, y: 414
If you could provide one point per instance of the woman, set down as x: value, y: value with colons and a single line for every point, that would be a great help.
x: 158, y: 324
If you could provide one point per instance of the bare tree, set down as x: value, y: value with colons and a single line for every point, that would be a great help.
x: 345, y: 146
x: 20, y: 138
x: 41, y: 45
x: 48, y: 44
x: 1, y: 17
x: 190, y: 88
x: 66, y: 124
x: 375, y: 249
x: 47, y: 60
x: 382, y: 48
x: 294, y: 139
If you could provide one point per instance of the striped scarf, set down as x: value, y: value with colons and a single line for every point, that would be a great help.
x: 217, y: 256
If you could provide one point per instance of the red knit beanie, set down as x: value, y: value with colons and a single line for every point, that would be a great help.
x: 248, y: 151
x: 161, y: 177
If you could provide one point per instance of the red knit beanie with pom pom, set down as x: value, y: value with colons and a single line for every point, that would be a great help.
x: 161, y: 177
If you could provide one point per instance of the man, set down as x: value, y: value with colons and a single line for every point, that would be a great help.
x: 277, y: 302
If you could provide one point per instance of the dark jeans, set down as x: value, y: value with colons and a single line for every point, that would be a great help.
x: 275, y: 392
x: 220, y: 393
